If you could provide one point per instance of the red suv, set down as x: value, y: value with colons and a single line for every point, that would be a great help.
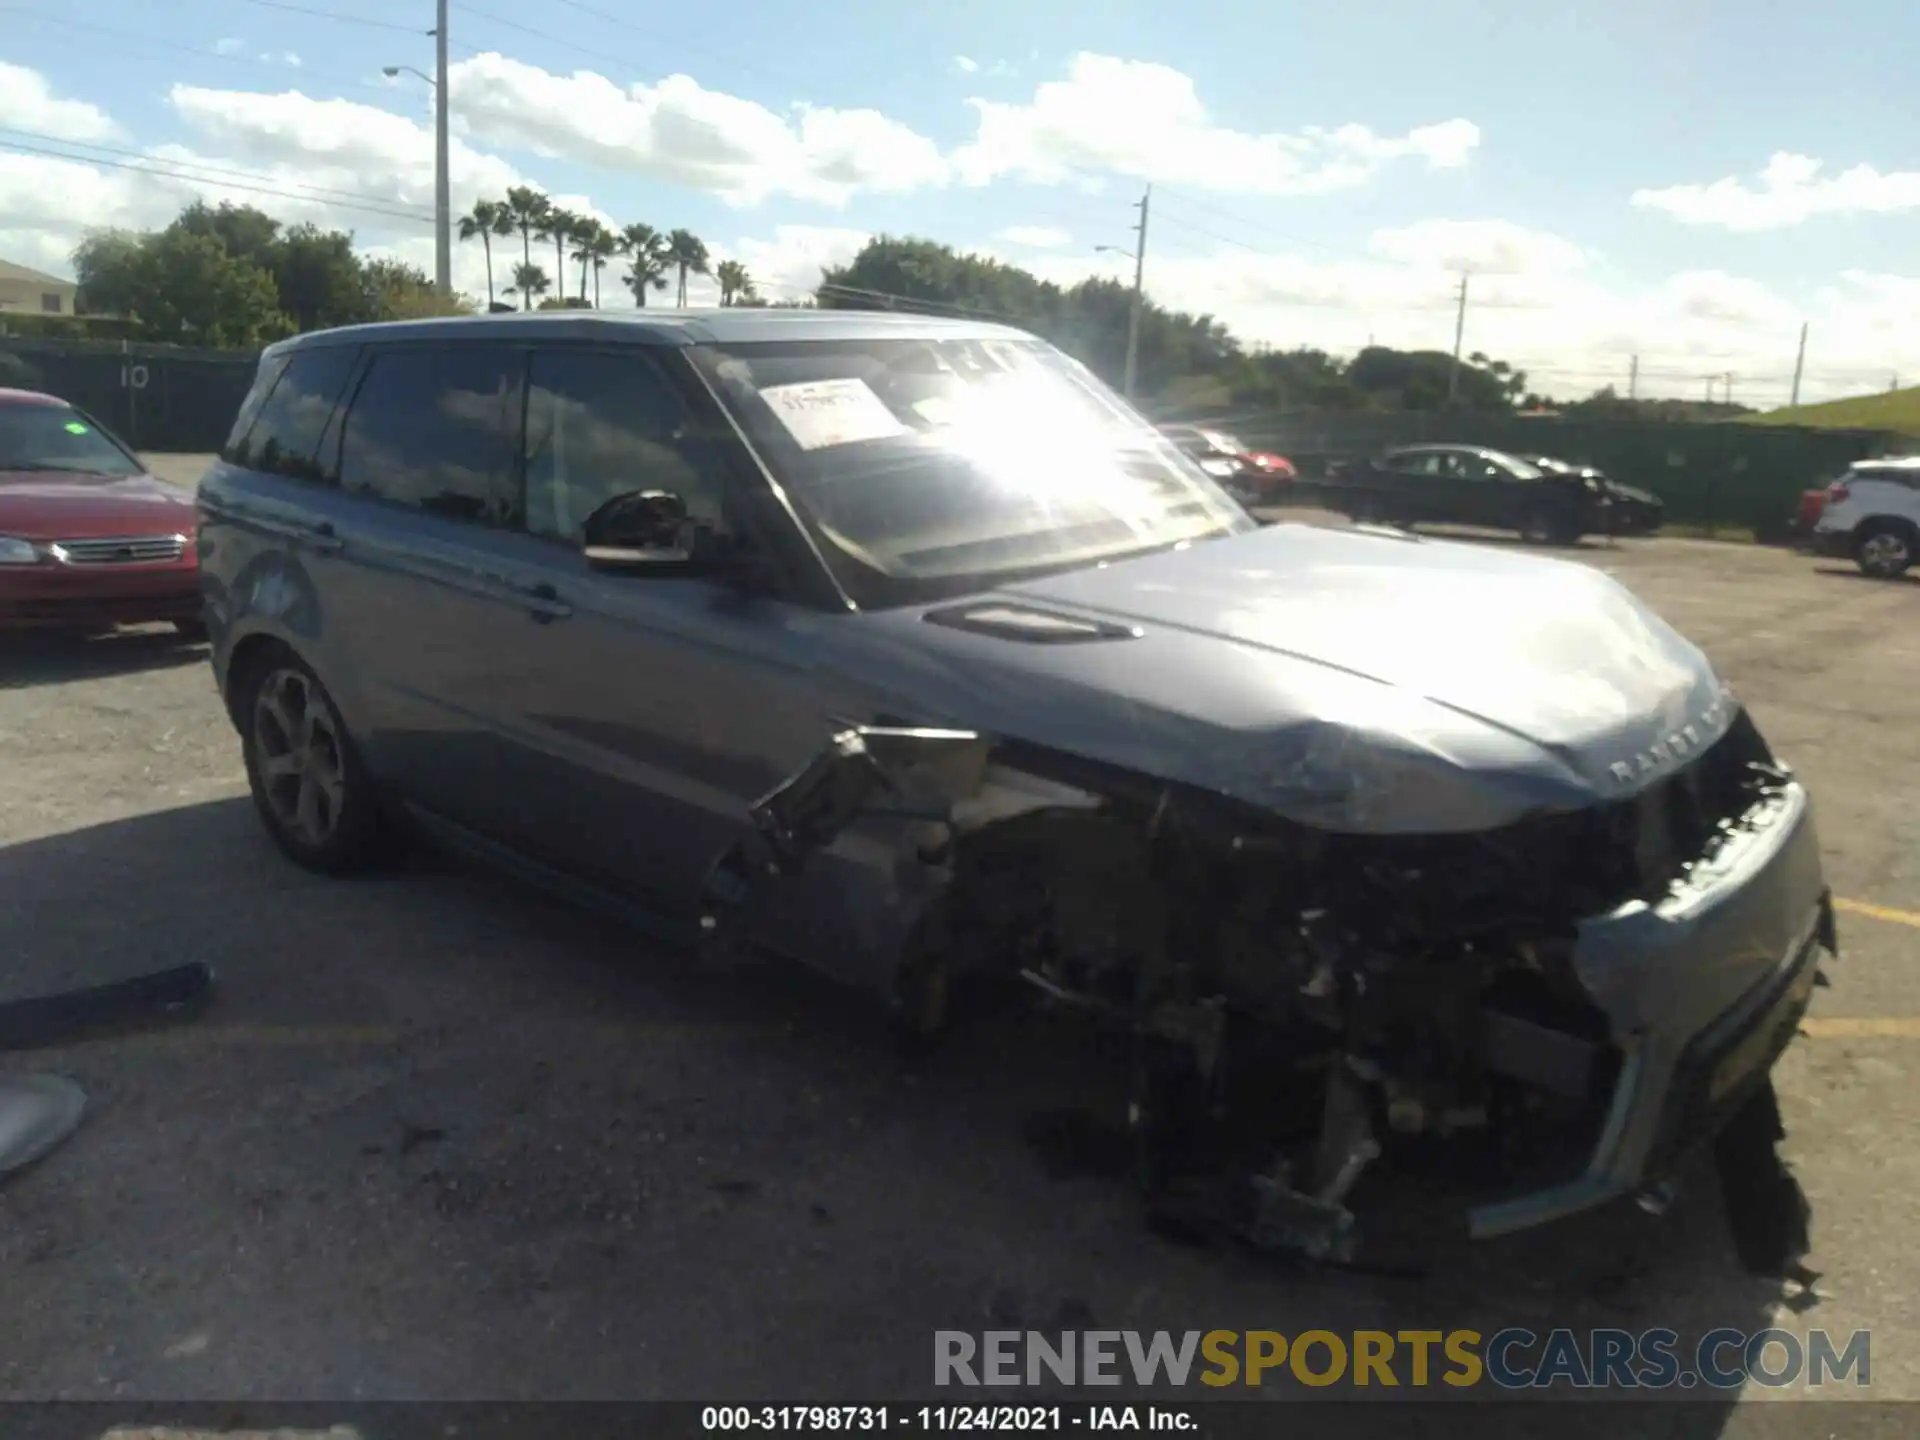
x: 89, y: 538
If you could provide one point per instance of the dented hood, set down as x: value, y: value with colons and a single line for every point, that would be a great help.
x: 1353, y: 680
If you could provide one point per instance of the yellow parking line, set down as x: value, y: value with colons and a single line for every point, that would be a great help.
x: 1862, y: 1027
x: 1879, y: 912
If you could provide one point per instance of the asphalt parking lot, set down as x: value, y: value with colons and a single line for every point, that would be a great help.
x: 442, y: 1138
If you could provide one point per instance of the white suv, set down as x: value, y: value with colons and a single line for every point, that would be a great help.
x: 1873, y: 515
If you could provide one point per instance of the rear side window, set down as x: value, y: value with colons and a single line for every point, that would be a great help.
x: 435, y: 429
x: 284, y: 434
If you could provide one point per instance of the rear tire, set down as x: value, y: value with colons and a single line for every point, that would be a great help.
x: 1885, y: 549
x: 314, y: 795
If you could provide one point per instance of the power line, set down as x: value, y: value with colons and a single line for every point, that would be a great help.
x: 214, y: 182
x: 320, y: 192
x: 155, y: 42
x: 339, y: 16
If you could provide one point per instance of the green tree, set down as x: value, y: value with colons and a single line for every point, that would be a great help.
x: 487, y: 219
x: 559, y: 227
x: 107, y: 265
x: 732, y: 279
x: 687, y: 253
x: 320, y: 280
x: 394, y: 290
x: 646, y: 252
x: 190, y: 291
x: 530, y: 282
x: 248, y: 234
x: 526, y: 210
x: 593, y: 249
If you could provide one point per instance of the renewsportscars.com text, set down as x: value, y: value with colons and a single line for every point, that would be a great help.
x: 1510, y: 1359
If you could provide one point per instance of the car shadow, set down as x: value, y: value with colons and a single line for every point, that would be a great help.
x: 1853, y: 572
x: 32, y: 657
x: 595, y: 1140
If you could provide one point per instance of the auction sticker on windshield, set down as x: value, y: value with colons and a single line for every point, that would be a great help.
x: 823, y: 413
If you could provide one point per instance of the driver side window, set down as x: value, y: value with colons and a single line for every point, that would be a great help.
x: 602, y: 424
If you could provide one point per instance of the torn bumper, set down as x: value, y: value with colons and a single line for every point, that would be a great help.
x: 1703, y: 992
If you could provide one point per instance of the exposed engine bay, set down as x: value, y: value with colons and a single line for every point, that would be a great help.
x: 1336, y: 1044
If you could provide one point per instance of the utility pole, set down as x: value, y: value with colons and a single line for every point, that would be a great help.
x: 1459, y: 331
x: 442, y: 189
x: 1726, y: 395
x: 1799, y: 364
x: 1633, y: 378
x: 1139, y: 283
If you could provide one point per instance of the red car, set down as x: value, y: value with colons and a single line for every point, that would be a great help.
x: 89, y: 538
x: 1257, y: 476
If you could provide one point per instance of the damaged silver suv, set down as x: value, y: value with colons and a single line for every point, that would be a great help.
x: 1429, y: 889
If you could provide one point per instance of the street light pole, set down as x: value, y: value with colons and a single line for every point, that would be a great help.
x: 1133, y: 311
x: 442, y: 189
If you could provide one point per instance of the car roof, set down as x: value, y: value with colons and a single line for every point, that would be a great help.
x: 30, y: 397
x: 671, y: 328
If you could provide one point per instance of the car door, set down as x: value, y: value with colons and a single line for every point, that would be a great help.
x: 427, y: 477
x: 1413, y: 486
x: 639, y: 724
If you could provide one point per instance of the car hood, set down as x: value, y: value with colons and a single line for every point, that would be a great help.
x: 38, y: 505
x: 1349, y: 679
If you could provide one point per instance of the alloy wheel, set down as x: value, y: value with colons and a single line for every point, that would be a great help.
x: 1884, y: 553
x: 296, y: 737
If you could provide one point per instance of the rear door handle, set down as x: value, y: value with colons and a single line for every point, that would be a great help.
x: 543, y: 602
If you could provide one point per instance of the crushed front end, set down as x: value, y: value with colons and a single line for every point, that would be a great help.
x: 1355, y: 1046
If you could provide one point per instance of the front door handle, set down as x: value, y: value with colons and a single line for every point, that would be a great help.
x: 320, y: 535
x: 543, y: 602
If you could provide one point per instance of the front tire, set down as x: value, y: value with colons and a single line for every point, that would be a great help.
x: 316, y: 798
x: 1885, y: 549
x: 1548, y: 527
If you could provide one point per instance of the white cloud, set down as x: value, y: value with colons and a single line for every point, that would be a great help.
x: 27, y: 102
x: 1035, y: 237
x: 679, y: 131
x: 964, y: 65
x: 1140, y: 118
x: 291, y: 60
x: 229, y: 46
x: 1792, y: 189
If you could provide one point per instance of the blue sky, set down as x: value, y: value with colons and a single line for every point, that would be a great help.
x: 1682, y: 182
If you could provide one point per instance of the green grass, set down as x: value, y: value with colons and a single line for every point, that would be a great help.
x: 1892, y: 410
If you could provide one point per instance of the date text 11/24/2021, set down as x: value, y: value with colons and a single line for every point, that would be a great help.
x: 945, y: 1418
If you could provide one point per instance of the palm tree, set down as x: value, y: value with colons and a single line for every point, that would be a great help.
x: 559, y: 226
x: 646, y: 247
x: 526, y: 211
x: 529, y: 283
x: 732, y: 276
x: 487, y: 219
x: 687, y: 253
x: 593, y: 249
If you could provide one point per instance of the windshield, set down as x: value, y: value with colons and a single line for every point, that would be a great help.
x: 36, y: 437
x: 1516, y: 467
x: 931, y: 466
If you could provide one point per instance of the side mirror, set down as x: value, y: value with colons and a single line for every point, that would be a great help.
x: 646, y: 530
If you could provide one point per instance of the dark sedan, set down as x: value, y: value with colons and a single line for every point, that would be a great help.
x: 88, y: 538
x: 1630, y: 510
x: 1468, y: 485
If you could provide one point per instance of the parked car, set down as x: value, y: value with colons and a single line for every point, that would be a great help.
x: 1256, y: 477
x: 837, y: 634
x: 89, y: 538
x: 1806, y: 516
x: 1469, y: 485
x: 1630, y: 510
x: 1872, y: 516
